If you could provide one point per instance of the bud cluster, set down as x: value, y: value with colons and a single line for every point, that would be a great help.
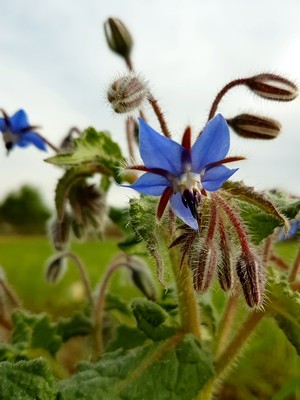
x: 215, y: 250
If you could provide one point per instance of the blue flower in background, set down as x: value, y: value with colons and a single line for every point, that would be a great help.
x: 17, y: 131
x: 292, y: 233
x: 183, y: 173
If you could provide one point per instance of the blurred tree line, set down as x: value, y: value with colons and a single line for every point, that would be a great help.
x: 23, y: 212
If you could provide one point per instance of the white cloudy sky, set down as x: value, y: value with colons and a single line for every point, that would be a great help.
x: 55, y: 64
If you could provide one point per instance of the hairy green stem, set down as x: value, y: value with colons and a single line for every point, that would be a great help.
x: 187, y: 300
x: 225, y: 325
x: 100, y: 302
x: 238, y: 342
x: 83, y: 275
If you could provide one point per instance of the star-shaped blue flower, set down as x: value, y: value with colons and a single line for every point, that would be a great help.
x: 181, y: 173
x: 18, y: 132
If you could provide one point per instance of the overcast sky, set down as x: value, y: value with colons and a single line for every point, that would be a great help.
x: 54, y: 63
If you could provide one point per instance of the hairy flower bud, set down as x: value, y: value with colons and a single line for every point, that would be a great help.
x: 272, y: 87
x: 141, y: 277
x: 118, y: 37
x: 55, y: 269
x: 60, y: 232
x: 127, y: 93
x: 204, y: 267
x: 251, y: 275
x: 254, y: 126
x: 224, y: 264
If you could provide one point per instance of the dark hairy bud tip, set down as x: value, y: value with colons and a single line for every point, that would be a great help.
x: 251, y: 275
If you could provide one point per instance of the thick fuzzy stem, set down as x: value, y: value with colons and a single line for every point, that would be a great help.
x: 187, y: 300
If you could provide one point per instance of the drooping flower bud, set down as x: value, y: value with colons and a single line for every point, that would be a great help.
x: 141, y: 277
x: 55, y: 269
x: 254, y: 126
x: 118, y: 37
x: 128, y: 93
x: 204, y: 268
x: 224, y: 264
x: 272, y: 87
x: 251, y: 275
x: 60, y: 232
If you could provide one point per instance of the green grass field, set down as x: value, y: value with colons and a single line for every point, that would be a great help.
x: 23, y: 260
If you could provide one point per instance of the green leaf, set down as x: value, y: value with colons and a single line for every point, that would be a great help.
x: 284, y: 305
x: 26, y: 380
x: 173, y: 370
x: 114, y: 302
x: 152, y: 319
x: 260, y: 214
x: 35, y: 332
x: 142, y: 217
x: 259, y: 224
x: 286, y: 204
x: 78, y: 325
x: 126, y: 338
x: 92, y: 147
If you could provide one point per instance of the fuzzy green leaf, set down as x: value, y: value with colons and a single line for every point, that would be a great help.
x: 142, y: 218
x: 151, y: 319
x: 78, y: 325
x: 260, y: 214
x: 284, y: 305
x: 92, y: 147
x: 35, y: 332
x: 126, y: 338
x: 26, y: 380
x: 173, y: 370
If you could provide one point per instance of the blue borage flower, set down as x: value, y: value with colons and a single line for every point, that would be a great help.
x: 18, y: 132
x: 183, y: 173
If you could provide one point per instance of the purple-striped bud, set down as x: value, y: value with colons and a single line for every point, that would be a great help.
x: 224, y: 265
x: 272, y: 87
x: 204, y: 267
x: 128, y: 93
x: 118, y: 37
x: 251, y: 275
x: 254, y: 126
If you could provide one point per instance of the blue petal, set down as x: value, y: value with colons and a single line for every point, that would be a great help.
x: 2, y: 125
x: 31, y: 138
x: 158, y: 151
x: 214, y: 177
x: 149, y: 183
x: 19, y: 121
x: 182, y: 212
x: 212, y: 145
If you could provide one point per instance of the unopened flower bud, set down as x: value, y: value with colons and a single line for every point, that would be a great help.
x: 55, y: 269
x: 141, y: 277
x: 251, y: 275
x: 272, y: 87
x: 118, y: 37
x: 60, y: 232
x: 254, y: 126
x: 128, y: 93
x: 224, y: 264
x: 204, y: 267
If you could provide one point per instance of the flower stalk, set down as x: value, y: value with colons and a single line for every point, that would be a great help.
x: 187, y: 300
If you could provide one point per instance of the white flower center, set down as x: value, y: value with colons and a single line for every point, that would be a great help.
x: 188, y: 181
